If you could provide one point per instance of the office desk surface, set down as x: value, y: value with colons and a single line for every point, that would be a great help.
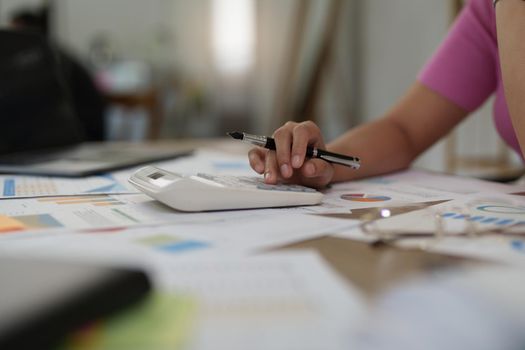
x: 371, y: 269
x: 375, y: 269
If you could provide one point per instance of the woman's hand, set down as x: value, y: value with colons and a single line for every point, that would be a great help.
x: 288, y: 163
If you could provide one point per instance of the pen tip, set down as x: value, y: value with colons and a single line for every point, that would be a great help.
x: 236, y: 135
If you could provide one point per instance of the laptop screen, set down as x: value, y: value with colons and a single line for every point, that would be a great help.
x: 35, y: 110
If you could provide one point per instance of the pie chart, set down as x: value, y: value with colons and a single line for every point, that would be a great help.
x: 364, y: 198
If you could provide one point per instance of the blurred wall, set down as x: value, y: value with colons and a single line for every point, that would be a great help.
x: 397, y: 38
x: 136, y: 29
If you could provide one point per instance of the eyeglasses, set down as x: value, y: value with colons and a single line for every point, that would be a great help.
x: 469, y: 218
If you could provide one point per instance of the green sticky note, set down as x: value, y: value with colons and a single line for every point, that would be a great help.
x: 163, y: 321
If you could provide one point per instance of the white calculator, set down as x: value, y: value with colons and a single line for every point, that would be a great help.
x: 203, y: 192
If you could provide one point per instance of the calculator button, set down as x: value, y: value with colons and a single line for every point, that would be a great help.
x: 309, y: 190
x: 253, y: 182
x: 267, y: 187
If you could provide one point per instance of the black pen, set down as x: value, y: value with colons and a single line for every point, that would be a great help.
x: 311, y: 152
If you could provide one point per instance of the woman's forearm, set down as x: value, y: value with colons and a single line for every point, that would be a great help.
x: 510, y: 19
x: 388, y: 144
x: 381, y: 145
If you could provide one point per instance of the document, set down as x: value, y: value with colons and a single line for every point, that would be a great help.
x: 454, y: 185
x: 17, y: 186
x: 360, y: 200
x: 71, y: 212
x: 468, y: 215
x: 231, y: 236
x: 484, y: 226
x: 401, y: 193
x: 281, y: 301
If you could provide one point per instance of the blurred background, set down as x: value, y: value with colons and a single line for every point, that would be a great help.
x: 170, y: 69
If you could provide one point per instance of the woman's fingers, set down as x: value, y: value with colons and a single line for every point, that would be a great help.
x: 288, y: 162
x: 316, y: 173
x: 283, y: 142
x: 271, y: 172
x: 264, y: 162
x: 303, y: 135
x: 257, y: 157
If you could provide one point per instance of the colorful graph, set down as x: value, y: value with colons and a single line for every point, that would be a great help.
x: 9, y: 224
x: 484, y: 219
x: 38, y: 221
x: 99, y: 201
x: 14, y: 187
x: 364, y: 198
x: 30, y: 186
x: 502, y: 209
x: 172, y: 244
x: 9, y: 188
x: 25, y: 222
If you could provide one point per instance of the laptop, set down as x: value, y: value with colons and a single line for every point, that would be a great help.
x: 39, y: 132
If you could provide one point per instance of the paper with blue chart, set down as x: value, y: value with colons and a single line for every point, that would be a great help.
x: 468, y: 215
x: 401, y: 193
x: 72, y: 212
x: 470, y: 219
x: 17, y: 186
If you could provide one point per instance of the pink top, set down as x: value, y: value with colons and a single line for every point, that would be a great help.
x: 466, y: 68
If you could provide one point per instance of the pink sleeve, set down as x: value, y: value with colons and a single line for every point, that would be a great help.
x: 464, y: 68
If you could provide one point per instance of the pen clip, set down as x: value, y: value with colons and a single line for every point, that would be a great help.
x: 348, y: 161
x: 254, y: 139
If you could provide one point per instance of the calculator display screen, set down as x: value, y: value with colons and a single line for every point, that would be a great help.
x: 156, y: 175
x: 159, y: 179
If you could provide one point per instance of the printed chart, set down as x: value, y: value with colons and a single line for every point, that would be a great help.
x: 97, y: 201
x: 37, y: 186
x: 170, y: 244
x: 493, y: 214
x: 502, y: 213
x: 502, y: 209
x: 494, y: 220
x: 74, y: 212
